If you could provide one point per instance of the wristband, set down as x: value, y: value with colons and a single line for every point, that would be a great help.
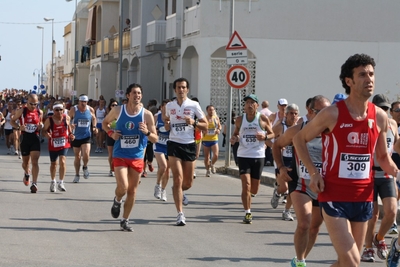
x: 148, y: 133
x: 110, y: 132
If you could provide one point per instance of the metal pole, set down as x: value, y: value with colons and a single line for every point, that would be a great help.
x: 229, y: 115
x: 52, y: 57
x: 121, y: 25
x: 41, y: 69
x: 75, y: 57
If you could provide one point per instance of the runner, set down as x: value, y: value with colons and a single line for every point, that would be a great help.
x: 134, y: 125
x: 101, y: 113
x: 160, y: 151
x: 109, y: 141
x: 251, y: 131
x: 352, y: 130
x: 385, y: 187
x: 181, y: 148
x: 8, y: 129
x: 16, y: 133
x: 305, y: 202
x: 278, y: 116
x: 30, y: 124
x: 210, y: 140
x: 395, y: 113
x: 58, y: 131
x: 82, y: 120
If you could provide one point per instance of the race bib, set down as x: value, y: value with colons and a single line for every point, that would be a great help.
x: 250, y: 140
x: 162, y: 139
x: 30, y: 128
x: 83, y: 123
x: 304, y: 171
x: 59, y: 142
x: 129, y: 141
x: 354, y: 166
x: 211, y: 132
x: 180, y: 128
x: 287, y: 152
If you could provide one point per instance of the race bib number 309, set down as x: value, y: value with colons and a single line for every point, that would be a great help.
x: 354, y: 166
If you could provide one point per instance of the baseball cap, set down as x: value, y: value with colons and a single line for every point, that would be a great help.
x: 381, y: 100
x: 282, y: 101
x: 338, y: 97
x: 251, y: 96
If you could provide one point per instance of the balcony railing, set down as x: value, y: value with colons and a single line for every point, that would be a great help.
x: 173, y: 27
x: 135, y: 37
x: 126, y: 40
x: 98, y: 48
x: 106, y: 43
x: 156, y: 32
x: 192, y: 20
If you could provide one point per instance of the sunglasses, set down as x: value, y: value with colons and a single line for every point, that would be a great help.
x: 57, y: 109
x: 114, y: 105
x: 33, y: 104
x: 396, y: 110
x: 316, y: 111
x: 385, y: 108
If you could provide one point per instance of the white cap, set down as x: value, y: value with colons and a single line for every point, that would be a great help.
x: 282, y: 101
x: 83, y: 98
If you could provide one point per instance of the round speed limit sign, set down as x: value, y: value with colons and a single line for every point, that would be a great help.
x: 238, y: 76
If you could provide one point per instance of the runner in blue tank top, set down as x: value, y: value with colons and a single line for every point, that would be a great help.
x: 134, y: 126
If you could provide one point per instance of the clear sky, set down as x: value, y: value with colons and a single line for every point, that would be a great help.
x: 21, y: 40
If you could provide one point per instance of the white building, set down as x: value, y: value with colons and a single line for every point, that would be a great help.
x: 295, y: 48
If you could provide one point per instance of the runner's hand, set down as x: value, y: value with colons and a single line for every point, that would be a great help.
x: 317, y: 183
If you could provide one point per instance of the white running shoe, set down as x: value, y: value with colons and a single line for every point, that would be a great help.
x: 16, y: 153
x: 76, y: 179
x: 185, y: 200
x: 111, y: 174
x: 53, y: 186
x: 157, y: 191
x: 86, y: 173
x: 163, y: 195
x: 287, y: 216
x: 212, y: 168
x: 61, y: 187
x: 180, y: 219
x: 208, y: 174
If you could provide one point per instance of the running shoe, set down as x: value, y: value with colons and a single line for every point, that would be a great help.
x: 116, y: 209
x: 208, y: 174
x: 100, y: 150
x: 26, y: 179
x: 393, y: 230
x: 393, y: 257
x: 61, y: 187
x: 125, y: 226
x: 97, y: 150
x: 185, y: 200
x: 111, y: 173
x: 295, y: 263
x: 287, y: 216
x: 76, y: 179
x: 151, y: 168
x: 53, y: 186
x: 16, y: 153
x: 157, y: 191
x: 248, y: 219
x: 212, y: 168
x: 284, y: 200
x: 163, y: 195
x: 368, y: 255
x: 85, y: 173
x: 9, y: 151
x: 180, y: 219
x: 194, y: 175
x: 19, y: 155
x: 275, y: 199
x: 253, y: 195
x: 34, y: 188
x: 144, y: 174
x: 12, y: 150
x: 381, y: 248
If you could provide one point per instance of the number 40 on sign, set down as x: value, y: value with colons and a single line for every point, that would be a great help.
x: 238, y: 76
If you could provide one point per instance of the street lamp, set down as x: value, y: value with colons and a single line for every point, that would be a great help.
x: 75, y: 49
x: 52, y: 54
x: 41, y: 70
x: 38, y: 75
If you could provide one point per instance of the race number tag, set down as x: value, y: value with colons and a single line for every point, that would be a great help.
x: 179, y: 128
x: 129, y: 141
x: 304, y: 171
x: 30, y: 128
x: 354, y: 166
x: 162, y: 139
x: 211, y: 132
x: 250, y: 140
x: 83, y: 123
x: 59, y: 142
x: 287, y: 152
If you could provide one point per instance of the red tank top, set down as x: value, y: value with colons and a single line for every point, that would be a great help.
x: 31, y: 120
x: 348, y: 157
x: 59, y: 135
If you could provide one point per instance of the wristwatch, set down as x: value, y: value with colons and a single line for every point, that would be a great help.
x: 148, y: 133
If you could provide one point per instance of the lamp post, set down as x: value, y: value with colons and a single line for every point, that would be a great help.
x: 41, y: 70
x: 52, y: 54
x: 38, y: 75
x: 75, y: 49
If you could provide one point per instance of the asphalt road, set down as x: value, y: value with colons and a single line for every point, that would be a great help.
x: 75, y: 228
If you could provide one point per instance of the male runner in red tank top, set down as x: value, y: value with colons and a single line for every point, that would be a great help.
x: 352, y: 130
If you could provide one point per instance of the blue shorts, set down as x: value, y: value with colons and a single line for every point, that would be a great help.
x: 158, y: 148
x: 54, y: 154
x: 352, y: 211
x: 99, y: 126
x: 209, y: 143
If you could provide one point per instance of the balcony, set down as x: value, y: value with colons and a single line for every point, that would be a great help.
x: 126, y: 41
x: 135, y: 37
x: 192, y: 20
x: 98, y: 48
x: 156, y: 35
x: 173, y: 38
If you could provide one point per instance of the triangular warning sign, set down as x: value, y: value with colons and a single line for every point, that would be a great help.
x: 235, y: 43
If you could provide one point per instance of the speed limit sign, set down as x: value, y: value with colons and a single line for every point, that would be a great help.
x: 238, y: 76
